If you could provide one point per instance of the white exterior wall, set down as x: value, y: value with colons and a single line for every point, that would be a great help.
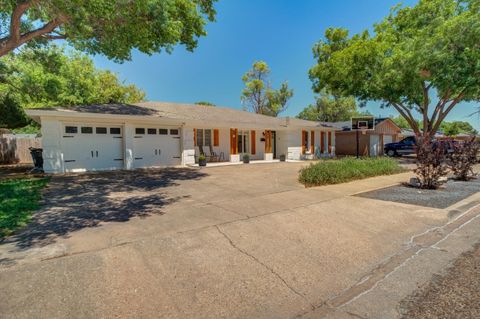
x: 187, y: 146
x: 294, y: 144
x: 129, y: 156
x: 51, y: 144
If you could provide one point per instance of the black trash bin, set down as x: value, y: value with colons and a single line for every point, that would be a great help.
x: 37, y: 159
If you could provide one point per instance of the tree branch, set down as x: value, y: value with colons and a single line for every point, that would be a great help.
x: 449, y: 108
x: 16, y: 39
x: 407, y: 115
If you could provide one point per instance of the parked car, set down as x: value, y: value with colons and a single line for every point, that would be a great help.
x: 408, y: 145
x: 404, y: 147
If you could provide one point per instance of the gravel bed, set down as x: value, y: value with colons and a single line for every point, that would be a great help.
x: 455, y: 294
x: 453, y: 192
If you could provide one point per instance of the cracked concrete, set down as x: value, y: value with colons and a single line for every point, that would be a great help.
x: 233, y: 245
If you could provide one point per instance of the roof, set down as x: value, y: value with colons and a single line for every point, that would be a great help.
x: 347, y: 125
x: 182, y: 112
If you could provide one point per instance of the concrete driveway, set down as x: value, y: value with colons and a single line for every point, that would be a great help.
x: 243, y: 241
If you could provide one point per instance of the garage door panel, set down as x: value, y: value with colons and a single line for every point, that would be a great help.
x: 157, y: 147
x: 89, y: 147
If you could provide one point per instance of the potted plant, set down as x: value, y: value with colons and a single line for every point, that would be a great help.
x: 202, y: 160
x: 282, y: 158
x: 246, y: 159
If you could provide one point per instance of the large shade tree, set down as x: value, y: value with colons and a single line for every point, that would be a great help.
x: 109, y: 27
x: 423, y: 59
x: 49, y: 76
x: 258, y: 94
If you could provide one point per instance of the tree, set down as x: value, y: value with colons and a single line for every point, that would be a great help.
x: 422, y: 58
x: 258, y: 94
x: 48, y: 76
x: 204, y: 103
x: 330, y: 108
x: 457, y: 127
x: 11, y: 114
x: 108, y: 27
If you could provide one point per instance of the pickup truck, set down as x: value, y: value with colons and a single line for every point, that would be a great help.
x: 404, y: 147
x: 408, y: 146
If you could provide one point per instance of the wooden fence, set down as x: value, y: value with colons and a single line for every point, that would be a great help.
x: 14, y: 150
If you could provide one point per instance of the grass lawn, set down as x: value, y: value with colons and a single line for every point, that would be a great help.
x: 18, y: 199
x: 347, y: 169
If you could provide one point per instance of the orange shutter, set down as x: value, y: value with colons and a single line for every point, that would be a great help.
x: 216, y: 140
x: 322, y: 142
x: 233, y: 141
x: 195, y: 137
x: 253, y: 147
x: 329, y: 142
x: 312, y: 142
x: 303, y: 142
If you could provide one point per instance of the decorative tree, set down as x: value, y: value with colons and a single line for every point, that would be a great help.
x: 258, y: 94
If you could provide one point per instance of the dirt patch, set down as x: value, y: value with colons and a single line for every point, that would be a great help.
x: 453, y: 295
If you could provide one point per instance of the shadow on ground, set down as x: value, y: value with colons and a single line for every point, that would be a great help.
x: 73, y: 202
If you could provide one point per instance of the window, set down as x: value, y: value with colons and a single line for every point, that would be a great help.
x: 115, y: 130
x: 71, y: 129
x: 200, y: 137
x: 204, y: 137
x: 162, y: 131
x: 173, y: 132
x: 87, y: 130
x: 101, y: 130
x: 208, y: 137
x: 139, y: 131
x: 152, y: 131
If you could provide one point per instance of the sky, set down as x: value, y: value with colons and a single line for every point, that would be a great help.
x: 279, y: 32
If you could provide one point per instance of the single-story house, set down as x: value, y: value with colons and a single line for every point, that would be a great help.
x: 371, y: 142
x: 156, y: 134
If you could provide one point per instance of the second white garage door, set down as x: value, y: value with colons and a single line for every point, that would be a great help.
x: 156, y: 147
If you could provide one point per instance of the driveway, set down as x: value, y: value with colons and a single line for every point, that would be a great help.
x: 244, y: 241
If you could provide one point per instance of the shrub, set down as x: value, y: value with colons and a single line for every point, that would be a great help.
x: 431, y: 164
x: 463, y: 158
x: 202, y: 157
x: 336, y: 171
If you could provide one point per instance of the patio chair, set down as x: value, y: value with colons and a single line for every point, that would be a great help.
x: 215, y: 156
x: 210, y: 153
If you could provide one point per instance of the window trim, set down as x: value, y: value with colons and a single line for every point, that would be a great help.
x: 141, y: 129
x: 86, y: 127
x: 71, y: 126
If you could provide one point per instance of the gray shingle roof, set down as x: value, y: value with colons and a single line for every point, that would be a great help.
x: 194, y: 112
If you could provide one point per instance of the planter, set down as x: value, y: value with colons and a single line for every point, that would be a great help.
x: 246, y: 159
x: 283, y: 158
x: 202, y: 162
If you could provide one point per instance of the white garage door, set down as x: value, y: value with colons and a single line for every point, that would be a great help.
x: 374, y: 145
x: 156, y: 146
x: 88, y: 147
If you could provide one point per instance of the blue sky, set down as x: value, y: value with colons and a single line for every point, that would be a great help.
x: 280, y: 32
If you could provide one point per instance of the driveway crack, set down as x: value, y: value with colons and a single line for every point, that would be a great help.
x: 270, y: 269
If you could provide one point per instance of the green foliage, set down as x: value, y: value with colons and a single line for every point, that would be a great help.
x: 259, y: 96
x: 415, y: 53
x: 18, y: 199
x: 204, y: 103
x: 330, y: 108
x: 48, y: 76
x: 401, y: 122
x: 202, y: 157
x: 109, y: 27
x: 457, y: 127
x: 346, y: 169
x: 11, y: 113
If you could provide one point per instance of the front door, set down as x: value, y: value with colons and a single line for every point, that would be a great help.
x: 243, y: 142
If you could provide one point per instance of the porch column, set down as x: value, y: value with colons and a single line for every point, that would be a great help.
x: 268, y: 155
x: 234, y: 156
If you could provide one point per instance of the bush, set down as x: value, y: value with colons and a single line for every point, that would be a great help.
x: 463, y: 158
x: 346, y: 169
x: 431, y: 164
